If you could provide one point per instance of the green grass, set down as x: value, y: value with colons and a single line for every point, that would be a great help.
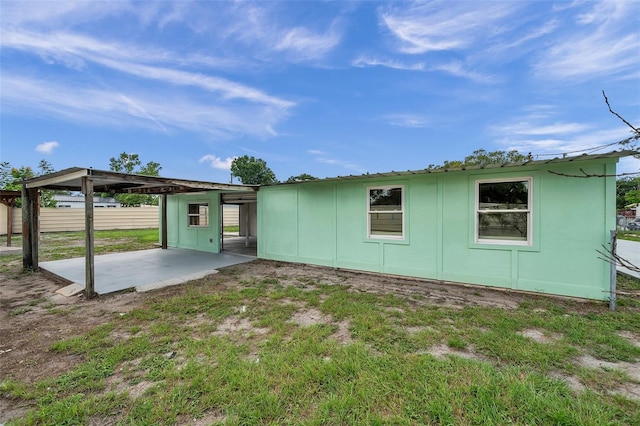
x: 278, y: 372
x: 231, y: 228
x: 64, y: 245
x: 629, y: 235
x: 171, y: 360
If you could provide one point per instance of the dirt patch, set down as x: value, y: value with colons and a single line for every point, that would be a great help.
x: 32, y: 317
x: 234, y: 324
x: 310, y: 317
x: 442, y: 351
x: 537, y: 336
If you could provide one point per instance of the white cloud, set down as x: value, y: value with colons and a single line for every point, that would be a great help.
x: 604, y: 43
x: 432, y: 26
x: 364, y: 61
x: 407, y: 120
x: 47, y: 147
x: 323, y: 157
x: 534, y: 134
x: 457, y: 69
x: 305, y: 44
x: 107, y: 106
x: 217, y: 162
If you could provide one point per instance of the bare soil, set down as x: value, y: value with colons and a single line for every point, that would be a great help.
x: 33, y: 317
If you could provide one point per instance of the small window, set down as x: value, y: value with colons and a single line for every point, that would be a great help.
x: 386, y: 212
x: 503, y: 211
x: 198, y: 214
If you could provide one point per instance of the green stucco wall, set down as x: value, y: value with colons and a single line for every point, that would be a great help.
x: 325, y: 223
x: 180, y: 235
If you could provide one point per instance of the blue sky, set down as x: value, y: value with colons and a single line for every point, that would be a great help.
x: 326, y: 88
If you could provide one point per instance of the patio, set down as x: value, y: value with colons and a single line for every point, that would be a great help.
x: 143, y: 270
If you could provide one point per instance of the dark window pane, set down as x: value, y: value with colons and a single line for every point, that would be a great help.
x: 503, y: 226
x: 386, y: 224
x: 387, y: 199
x: 503, y: 195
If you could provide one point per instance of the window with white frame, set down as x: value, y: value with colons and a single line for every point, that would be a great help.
x: 198, y: 214
x: 385, y: 212
x: 503, y: 211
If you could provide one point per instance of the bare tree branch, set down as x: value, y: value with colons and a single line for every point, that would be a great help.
x: 635, y: 129
x: 614, y: 258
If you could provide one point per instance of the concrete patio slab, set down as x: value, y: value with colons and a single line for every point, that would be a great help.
x: 145, y: 269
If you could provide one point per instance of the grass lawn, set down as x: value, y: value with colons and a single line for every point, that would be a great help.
x: 276, y: 347
x: 629, y: 235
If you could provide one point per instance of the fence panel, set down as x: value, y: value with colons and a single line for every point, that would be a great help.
x: 58, y: 220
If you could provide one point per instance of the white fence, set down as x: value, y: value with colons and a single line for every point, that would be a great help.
x: 58, y: 220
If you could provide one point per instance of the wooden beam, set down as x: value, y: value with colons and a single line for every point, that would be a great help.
x: 27, y: 220
x: 30, y: 229
x: 87, y: 190
x: 9, y: 223
x: 165, y: 227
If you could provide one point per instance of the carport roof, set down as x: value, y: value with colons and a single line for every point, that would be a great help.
x: 116, y: 182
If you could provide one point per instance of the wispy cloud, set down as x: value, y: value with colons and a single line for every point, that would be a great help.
x: 433, y: 26
x: 540, y: 135
x: 305, y: 44
x: 325, y: 158
x: 365, y: 61
x: 217, y: 162
x: 47, y: 147
x: 138, y: 108
x: 605, y: 42
x: 407, y: 120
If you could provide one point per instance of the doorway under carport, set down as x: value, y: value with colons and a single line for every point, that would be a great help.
x: 245, y: 240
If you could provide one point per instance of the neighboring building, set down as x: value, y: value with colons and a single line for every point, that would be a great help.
x: 512, y: 226
x: 77, y: 201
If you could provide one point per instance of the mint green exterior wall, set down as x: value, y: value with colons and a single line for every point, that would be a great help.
x: 180, y: 235
x: 325, y: 223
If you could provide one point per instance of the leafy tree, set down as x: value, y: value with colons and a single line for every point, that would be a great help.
x: 252, y: 171
x: 131, y: 163
x: 627, y: 191
x: 301, y: 178
x: 481, y: 157
x: 11, y: 179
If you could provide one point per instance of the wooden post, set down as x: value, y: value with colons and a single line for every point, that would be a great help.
x: 27, y: 220
x: 30, y: 230
x: 164, y: 236
x: 35, y: 227
x: 87, y: 190
x: 9, y: 221
x: 247, y: 223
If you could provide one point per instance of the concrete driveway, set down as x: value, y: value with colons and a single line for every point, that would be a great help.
x: 144, y: 269
x: 629, y: 250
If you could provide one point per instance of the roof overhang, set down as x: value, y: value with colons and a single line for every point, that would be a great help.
x: 529, y: 163
x: 125, y: 183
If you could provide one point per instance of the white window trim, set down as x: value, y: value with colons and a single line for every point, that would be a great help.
x: 401, y: 211
x: 190, y: 215
x: 529, y: 212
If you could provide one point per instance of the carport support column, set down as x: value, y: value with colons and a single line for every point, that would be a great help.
x: 30, y: 229
x: 164, y: 237
x: 247, y: 223
x: 87, y: 190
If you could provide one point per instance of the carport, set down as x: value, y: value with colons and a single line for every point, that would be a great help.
x: 89, y: 181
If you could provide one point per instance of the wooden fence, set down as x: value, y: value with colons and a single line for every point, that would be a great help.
x: 58, y: 220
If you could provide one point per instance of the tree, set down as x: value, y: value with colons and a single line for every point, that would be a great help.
x: 480, y: 157
x: 252, y: 171
x: 301, y: 178
x: 627, y: 191
x: 11, y: 179
x: 127, y: 163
